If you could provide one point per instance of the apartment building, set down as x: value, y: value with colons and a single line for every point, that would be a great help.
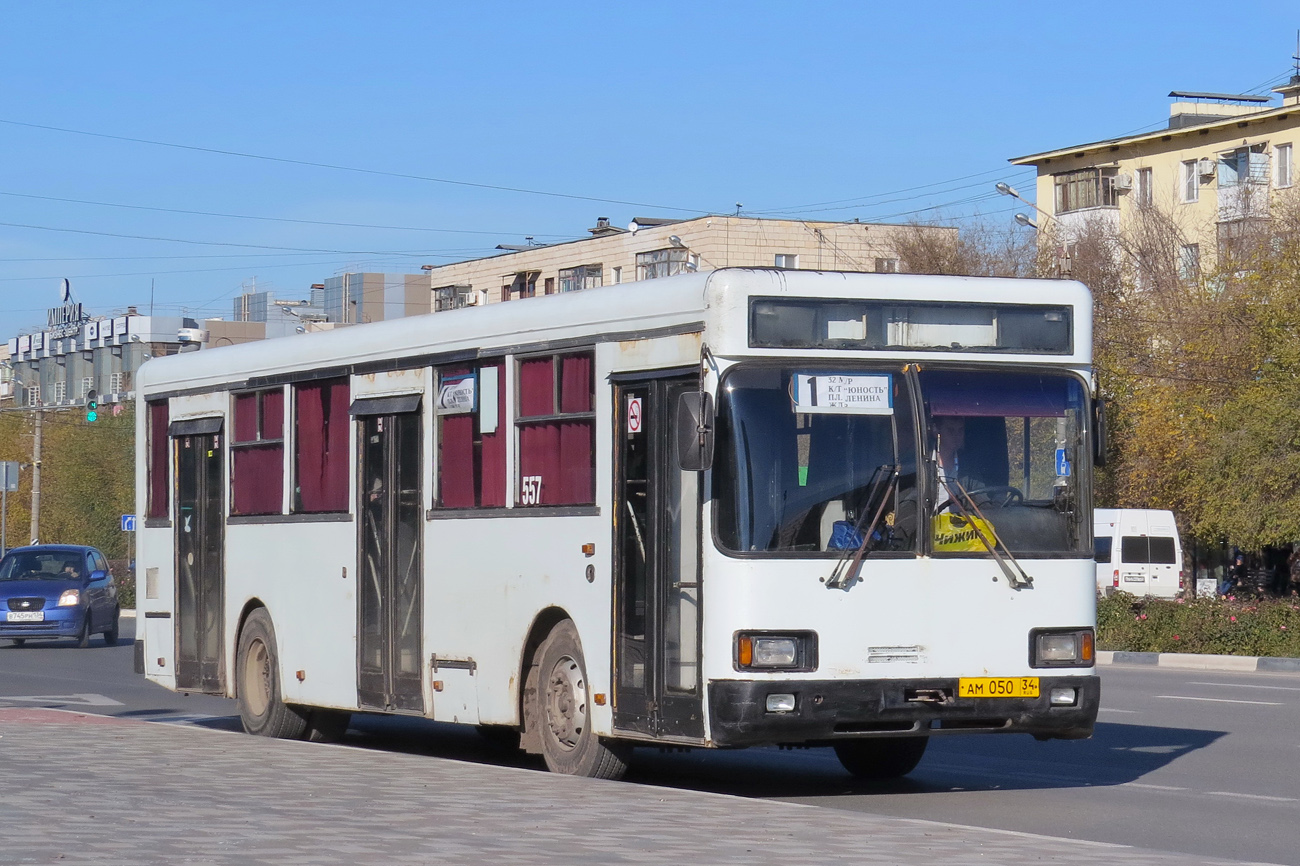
x: 1216, y: 170
x: 650, y: 248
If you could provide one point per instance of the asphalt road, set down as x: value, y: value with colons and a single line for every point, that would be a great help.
x: 1205, y: 763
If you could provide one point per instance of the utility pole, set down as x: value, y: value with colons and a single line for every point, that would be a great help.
x: 36, y: 477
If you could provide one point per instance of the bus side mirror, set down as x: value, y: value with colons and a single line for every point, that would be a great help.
x: 1099, y: 432
x: 695, y: 431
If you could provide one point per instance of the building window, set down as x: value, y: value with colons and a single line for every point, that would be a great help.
x: 886, y: 266
x: 60, y: 391
x: 787, y: 260
x: 115, y: 383
x: 87, y: 385
x: 1189, y: 182
x: 661, y: 263
x: 1085, y: 188
x: 156, y: 470
x: 1189, y: 261
x: 320, y: 438
x: 521, y: 285
x: 556, y: 427
x: 1145, y: 197
x: 33, y: 395
x: 1244, y: 165
x: 550, y: 285
x: 618, y: 276
x: 451, y: 297
x: 471, y: 442
x: 257, y: 453
x: 582, y: 277
x: 1282, y: 157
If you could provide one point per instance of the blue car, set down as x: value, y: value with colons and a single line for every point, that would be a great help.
x: 50, y: 591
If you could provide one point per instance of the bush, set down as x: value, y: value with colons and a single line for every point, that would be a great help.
x: 1226, y: 626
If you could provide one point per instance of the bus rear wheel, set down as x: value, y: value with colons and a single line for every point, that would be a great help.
x: 261, y: 711
x: 884, y: 758
x: 569, y: 745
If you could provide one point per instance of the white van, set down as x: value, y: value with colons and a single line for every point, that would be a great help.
x: 1138, y: 552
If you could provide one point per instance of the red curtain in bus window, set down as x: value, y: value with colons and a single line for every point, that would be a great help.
x: 273, y: 414
x: 560, y: 454
x: 493, y: 451
x: 257, y: 479
x: 456, y: 462
x: 575, y: 383
x: 245, y: 418
x: 158, y: 450
x: 321, y: 433
x: 536, y: 387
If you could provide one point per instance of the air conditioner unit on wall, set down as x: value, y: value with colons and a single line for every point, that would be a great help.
x: 1123, y: 181
x: 1205, y: 167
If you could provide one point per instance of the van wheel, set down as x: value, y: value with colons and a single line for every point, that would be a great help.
x: 261, y: 710
x: 568, y: 744
x: 883, y: 758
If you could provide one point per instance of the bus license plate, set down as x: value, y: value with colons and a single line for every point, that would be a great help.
x: 26, y: 616
x: 997, y: 687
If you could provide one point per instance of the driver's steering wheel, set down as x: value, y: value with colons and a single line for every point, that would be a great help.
x: 996, y: 496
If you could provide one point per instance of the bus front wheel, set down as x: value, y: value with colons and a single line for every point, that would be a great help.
x: 569, y: 745
x: 261, y: 710
x: 884, y: 758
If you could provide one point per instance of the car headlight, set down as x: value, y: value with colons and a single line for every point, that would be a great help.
x: 789, y: 651
x: 1061, y: 648
x: 69, y: 597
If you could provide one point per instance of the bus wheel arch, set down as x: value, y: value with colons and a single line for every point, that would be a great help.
x: 557, y: 710
x: 545, y: 621
x: 262, y: 710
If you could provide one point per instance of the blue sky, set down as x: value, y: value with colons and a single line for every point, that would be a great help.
x: 893, y: 111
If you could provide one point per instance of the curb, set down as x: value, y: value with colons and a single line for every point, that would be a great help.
x: 128, y: 613
x: 1198, y: 662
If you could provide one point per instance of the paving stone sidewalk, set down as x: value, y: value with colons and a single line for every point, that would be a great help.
x: 84, y: 789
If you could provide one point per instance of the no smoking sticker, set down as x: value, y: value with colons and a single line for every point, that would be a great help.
x: 634, y: 415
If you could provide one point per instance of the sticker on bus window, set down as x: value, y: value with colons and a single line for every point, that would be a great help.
x: 844, y: 393
x: 456, y: 394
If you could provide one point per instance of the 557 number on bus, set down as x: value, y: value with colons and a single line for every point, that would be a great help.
x: 997, y: 687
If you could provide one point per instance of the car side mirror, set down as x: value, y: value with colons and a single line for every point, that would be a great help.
x: 695, y: 431
x: 98, y: 575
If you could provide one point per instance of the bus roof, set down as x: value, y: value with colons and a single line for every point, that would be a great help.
x: 714, y: 300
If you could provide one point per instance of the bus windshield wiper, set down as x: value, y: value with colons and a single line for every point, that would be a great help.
x: 882, y: 484
x: 1011, y: 569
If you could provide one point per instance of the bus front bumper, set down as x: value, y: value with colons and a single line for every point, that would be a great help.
x: 828, y: 710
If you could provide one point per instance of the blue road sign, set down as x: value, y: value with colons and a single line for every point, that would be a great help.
x: 128, y: 523
x: 1062, y: 463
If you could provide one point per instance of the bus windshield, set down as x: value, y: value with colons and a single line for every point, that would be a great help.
x: 801, y: 451
x: 796, y: 463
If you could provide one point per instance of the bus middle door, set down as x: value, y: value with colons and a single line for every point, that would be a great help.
x: 657, y: 688
x: 200, y: 541
x: 390, y: 576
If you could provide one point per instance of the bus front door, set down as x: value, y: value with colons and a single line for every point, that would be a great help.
x: 657, y: 689
x: 200, y: 539
x: 389, y: 595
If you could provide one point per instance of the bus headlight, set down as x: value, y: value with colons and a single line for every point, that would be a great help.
x: 787, y: 651
x: 1061, y: 648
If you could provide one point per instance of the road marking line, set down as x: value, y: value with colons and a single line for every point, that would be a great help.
x: 1153, y: 787
x: 81, y: 700
x: 1115, y: 710
x: 1221, y: 700
x: 1249, y: 686
x: 1252, y: 796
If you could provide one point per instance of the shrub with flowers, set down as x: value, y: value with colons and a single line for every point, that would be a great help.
x: 1223, y: 626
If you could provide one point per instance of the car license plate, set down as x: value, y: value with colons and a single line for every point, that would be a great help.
x: 997, y: 687
x: 26, y: 616
x: 1134, y: 578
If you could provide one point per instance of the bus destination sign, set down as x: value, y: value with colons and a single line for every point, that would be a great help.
x: 844, y: 393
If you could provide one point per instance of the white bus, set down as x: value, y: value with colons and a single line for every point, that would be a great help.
x: 739, y: 508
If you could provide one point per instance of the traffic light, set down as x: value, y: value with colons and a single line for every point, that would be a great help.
x: 92, y: 405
